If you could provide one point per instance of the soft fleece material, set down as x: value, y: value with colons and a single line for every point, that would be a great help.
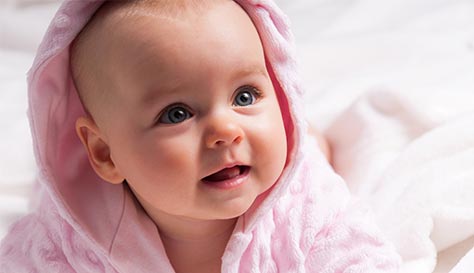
x: 305, y: 223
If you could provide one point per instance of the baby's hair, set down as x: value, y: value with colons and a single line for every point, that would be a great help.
x: 84, y: 58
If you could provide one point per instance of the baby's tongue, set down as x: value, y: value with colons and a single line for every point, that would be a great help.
x: 223, y: 174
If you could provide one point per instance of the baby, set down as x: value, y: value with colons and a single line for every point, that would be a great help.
x: 191, y: 111
x: 183, y: 109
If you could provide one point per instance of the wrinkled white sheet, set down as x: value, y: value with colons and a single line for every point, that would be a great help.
x: 390, y: 82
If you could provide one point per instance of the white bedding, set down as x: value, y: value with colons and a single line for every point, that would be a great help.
x: 390, y: 82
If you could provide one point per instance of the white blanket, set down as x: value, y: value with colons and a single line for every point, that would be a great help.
x: 390, y: 82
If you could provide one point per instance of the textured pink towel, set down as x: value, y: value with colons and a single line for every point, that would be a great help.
x: 306, y: 223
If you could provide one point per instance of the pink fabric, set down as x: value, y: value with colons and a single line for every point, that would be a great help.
x: 306, y: 223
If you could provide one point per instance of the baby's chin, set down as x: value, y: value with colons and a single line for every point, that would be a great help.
x: 238, y: 209
x: 230, y: 210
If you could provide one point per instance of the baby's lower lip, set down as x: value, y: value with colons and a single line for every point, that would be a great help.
x: 228, y: 178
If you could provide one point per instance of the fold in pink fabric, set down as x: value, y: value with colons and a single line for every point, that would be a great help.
x: 306, y: 223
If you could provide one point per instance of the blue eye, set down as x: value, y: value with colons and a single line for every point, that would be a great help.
x: 246, y: 96
x: 175, y: 115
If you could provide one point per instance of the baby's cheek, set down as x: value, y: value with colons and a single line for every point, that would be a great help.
x: 270, y: 150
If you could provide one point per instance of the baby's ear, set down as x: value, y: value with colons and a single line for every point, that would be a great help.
x: 98, y: 150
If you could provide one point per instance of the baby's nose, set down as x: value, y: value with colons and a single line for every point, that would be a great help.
x: 223, y: 131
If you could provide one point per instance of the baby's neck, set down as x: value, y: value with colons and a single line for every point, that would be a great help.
x: 195, y: 245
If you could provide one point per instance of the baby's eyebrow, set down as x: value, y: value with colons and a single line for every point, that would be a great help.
x: 251, y: 70
x: 154, y: 95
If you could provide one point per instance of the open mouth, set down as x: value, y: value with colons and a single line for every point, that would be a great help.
x: 227, y: 174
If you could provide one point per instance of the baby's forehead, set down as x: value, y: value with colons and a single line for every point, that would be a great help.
x: 130, y: 18
x: 110, y: 56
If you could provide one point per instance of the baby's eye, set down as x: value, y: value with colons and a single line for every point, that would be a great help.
x: 175, y: 114
x: 246, y: 95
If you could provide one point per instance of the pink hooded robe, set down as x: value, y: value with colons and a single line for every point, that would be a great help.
x: 305, y: 223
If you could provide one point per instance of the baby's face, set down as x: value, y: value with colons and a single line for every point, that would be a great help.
x: 195, y: 126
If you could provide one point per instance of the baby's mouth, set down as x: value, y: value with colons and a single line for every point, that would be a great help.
x: 227, y: 173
